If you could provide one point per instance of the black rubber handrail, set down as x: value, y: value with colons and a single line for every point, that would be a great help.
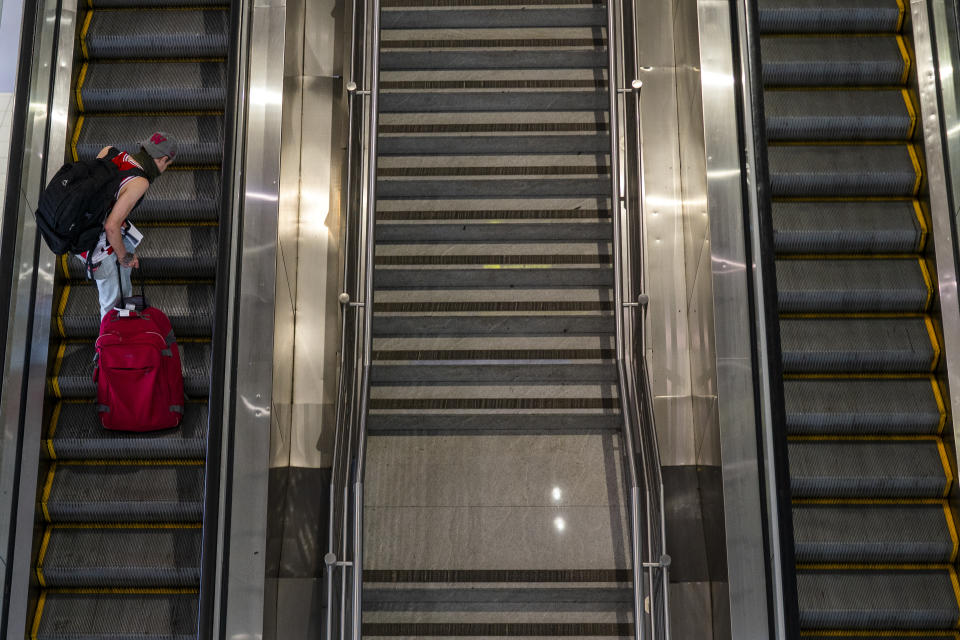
x: 765, y: 263
x: 219, y: 383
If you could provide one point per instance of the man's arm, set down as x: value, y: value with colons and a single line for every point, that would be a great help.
x: 130, y: 194
x: 103, y: 152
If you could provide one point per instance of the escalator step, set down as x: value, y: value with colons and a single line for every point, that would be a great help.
x: 880, y: 599
x: 863, y: 406
x: 394, y: 58
x: 515, y: 370
x: 873, y: 533
x: 165, y: 4
x: 492, y: 325
x: 118, y: 616
x: 174, y: 86
x: 493, y: 277
x: 200, y: 138
x: 175, y: 252
x: 181, y: 196
x: 468, y: 101
x: 847, y: 227
x: 883, y: 468
x: 463, y: 231
x: 493, y: 18
x: 858, y: 345
x: 838, y: 115
x: 814, y: 16
x: 122, y: 557
x: 155, y: 33
x: 113, y: 492
x: 853, y: 286
x: 815, y: 171
x: 78, y: 434
x: 72, y: 378
x: 189, y: 307
x: 502, y: 145
x: 833, y: 60
x: 529, y: 188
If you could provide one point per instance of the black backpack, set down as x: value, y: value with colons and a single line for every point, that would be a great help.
x: 74, y: 206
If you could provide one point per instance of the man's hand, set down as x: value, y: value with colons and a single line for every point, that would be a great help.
x: 131, y: 261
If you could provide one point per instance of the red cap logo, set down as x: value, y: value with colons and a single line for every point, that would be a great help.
x: 157, y: 138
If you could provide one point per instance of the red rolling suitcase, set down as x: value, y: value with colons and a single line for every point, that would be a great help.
x: 138, y: 373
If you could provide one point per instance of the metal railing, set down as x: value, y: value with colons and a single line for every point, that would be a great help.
x: 344, y: 558
x: 651, y: 564
x: 345, y: 552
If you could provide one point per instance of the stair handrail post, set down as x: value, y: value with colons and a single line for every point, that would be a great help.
x: 367, y: 324
x: 623, y: 374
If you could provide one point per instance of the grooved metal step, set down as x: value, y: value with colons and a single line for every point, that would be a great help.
x: 199, y: 138
x: 116, y: 492
x: 180, y: 252
x: 848, y: 227
x: 812, y: 171
x: 94, y: 616
x: 175, y: 86
x: 121, y: 557
x: 153, y: 33
x: 72, y: 376
x: 838, y: 115
x: 78, y: 434
x: 853, y: 286
x: 863, y: 406
x: 845, y: 16
x: 189, y: 307
x: 868, y: 468
x: 873, y: 533
x: 833, y: 60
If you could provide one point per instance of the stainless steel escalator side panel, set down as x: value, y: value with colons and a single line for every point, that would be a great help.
x: 940, y: 213
x: 257, y: 176
x: 741, y: 466
x: 34, y: 376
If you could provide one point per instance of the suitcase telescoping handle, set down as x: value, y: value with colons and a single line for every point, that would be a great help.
x: 143, y: 295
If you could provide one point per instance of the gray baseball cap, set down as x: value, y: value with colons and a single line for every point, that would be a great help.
x: 161, y: 144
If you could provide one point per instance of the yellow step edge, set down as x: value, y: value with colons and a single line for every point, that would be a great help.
x: 922, y: 221
x: 52, y: 430
x: 879, y: 566
x: 868, y: 633
x: 126, y: 525
x: 47, y: 488
x: 131, y: 462
x: 908, y: 502
x: 917, y: 167
x: 42, y: 556
x: 908, y: 101
x: 83, y: 35
x: 61, y: 309
x: 865, y: 438
x: 901, y: 13
x: 941, y: 404
x: 76, y: 139
x: 142, y: 591
x: 58, y: 362
x: 907, y: 62
x: 952, y: 529
x: 947, y: 470
x: 934, y: 342
x: 927, y: 281
x: 37, y: 615
x: 64, y: 266
x: 79, y: 90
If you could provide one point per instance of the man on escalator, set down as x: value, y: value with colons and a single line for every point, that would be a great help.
x: 119, y: 240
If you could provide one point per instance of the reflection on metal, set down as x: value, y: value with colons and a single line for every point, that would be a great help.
x: 247, y: 435
x: 743, y: 506
x: 938, y: 182
x: 33, y: 304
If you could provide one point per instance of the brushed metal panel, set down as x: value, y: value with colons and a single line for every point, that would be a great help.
x: 256, y: 292
x: 320, y: 54
x: 940, y: 213
x: 675, y: 431
x: 691, y: 611
x: 317, y: 327
x: 748, y: 581
x: 52, y: 113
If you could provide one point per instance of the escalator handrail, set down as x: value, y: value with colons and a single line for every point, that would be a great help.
x: 762, y: 289
x: 639, y: 427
